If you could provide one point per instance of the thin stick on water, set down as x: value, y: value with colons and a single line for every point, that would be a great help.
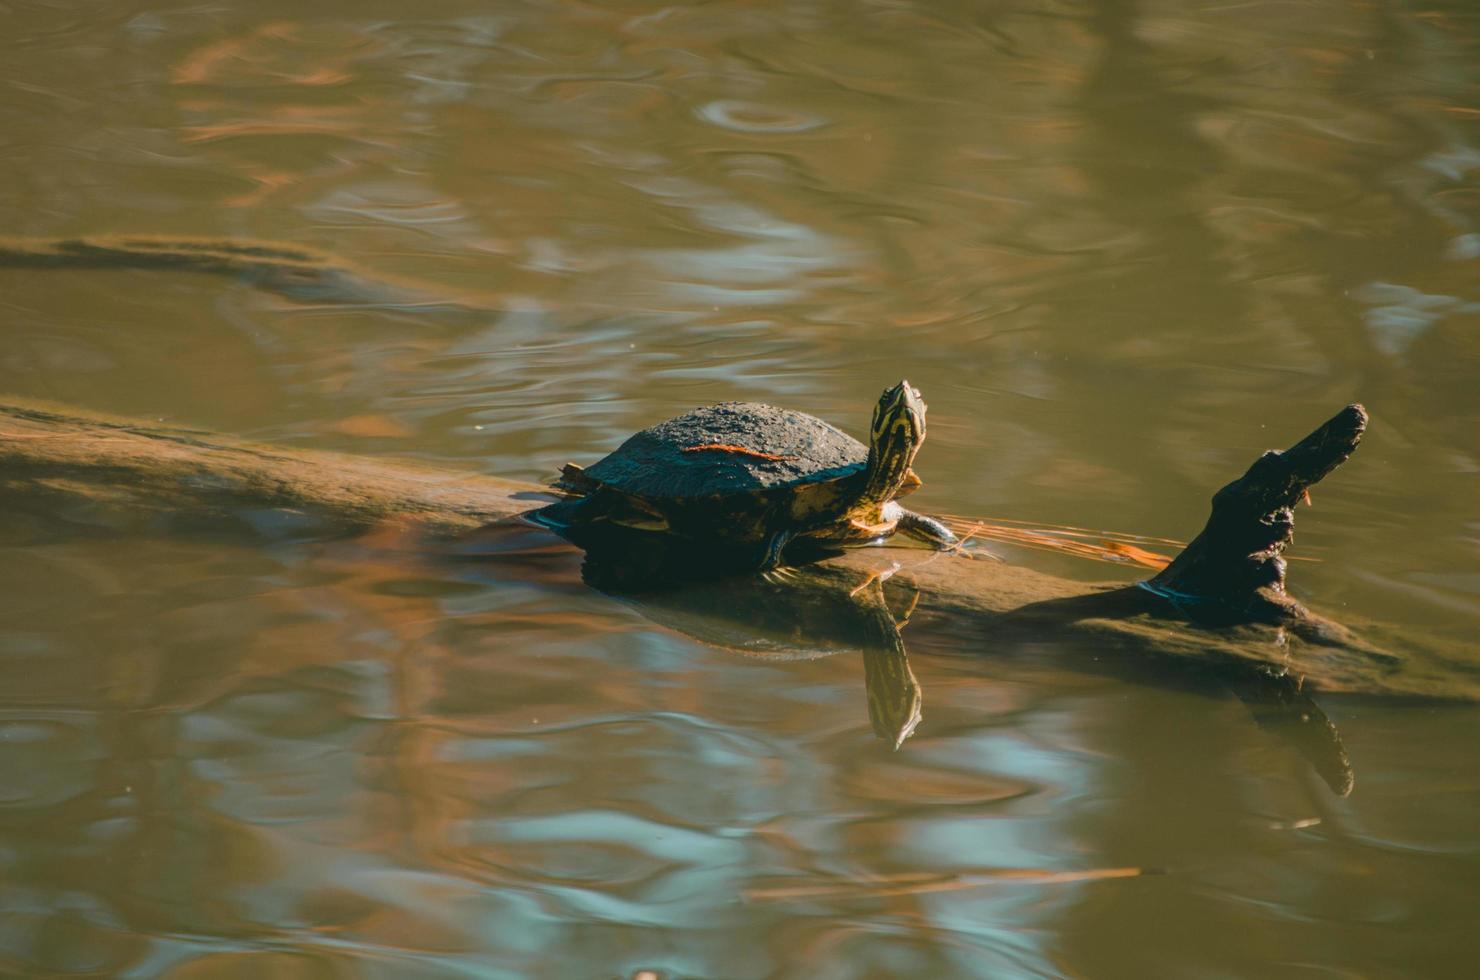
x: 927, y: 884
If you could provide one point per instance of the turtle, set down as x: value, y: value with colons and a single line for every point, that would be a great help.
x: 743, y: 480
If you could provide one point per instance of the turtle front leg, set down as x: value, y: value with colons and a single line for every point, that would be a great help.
x: 927, y: 529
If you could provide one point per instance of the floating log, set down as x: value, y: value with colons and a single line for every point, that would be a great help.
x: 1220, y: 606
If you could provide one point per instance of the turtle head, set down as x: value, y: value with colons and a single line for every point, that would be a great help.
x: 897, y: 432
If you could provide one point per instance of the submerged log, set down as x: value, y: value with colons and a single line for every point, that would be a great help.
x: 294, y: 271
x: 1220, y: 606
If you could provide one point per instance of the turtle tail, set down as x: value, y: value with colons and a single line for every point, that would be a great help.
x: 573, y: 479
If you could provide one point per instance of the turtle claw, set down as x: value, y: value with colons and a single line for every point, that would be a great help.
x: 983, y: 552
x: 959, y: 550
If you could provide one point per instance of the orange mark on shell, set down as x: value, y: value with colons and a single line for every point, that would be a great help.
x: 725, y: 447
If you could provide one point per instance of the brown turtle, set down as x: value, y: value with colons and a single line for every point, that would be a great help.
x: 753, y: 478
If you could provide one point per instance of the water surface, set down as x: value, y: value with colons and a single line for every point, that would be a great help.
x: 1122, y: 248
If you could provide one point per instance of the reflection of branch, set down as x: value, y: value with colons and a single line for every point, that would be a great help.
x: 1280, y: 707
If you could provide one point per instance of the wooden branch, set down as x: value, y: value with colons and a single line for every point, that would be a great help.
x: 1238, y: 558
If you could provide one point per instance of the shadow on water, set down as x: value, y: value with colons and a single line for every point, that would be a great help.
x: 802, y: 612
x: 809, y: 611
x: 791, y: 613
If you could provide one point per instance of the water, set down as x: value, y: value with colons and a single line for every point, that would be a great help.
x: 1121, y: 247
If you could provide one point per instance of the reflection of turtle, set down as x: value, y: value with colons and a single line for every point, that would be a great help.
x: 813, y: 612
x: 821, y: 610
x: 752, y: 478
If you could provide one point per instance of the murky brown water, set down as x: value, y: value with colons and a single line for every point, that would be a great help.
x: 1122, y: 247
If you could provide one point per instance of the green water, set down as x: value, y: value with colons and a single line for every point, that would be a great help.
x: 1121, y: 247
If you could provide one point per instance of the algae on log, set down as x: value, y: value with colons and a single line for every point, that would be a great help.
x: 983, y: 605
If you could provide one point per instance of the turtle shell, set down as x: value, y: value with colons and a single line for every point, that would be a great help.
x: 730, y: 449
